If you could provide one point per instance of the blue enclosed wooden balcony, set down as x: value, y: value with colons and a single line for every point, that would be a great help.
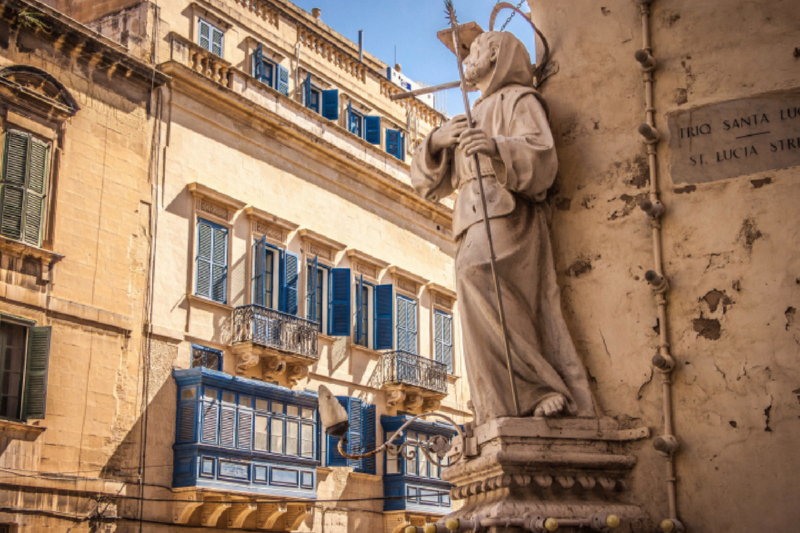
x: 413, y: 382
x: 240, y: 435
x: 284, y: 345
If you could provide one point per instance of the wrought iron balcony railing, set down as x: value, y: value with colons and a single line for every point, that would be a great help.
x: 273, y: 329
x: 410, y: 369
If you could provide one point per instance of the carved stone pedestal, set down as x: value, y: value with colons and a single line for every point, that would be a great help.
x: 561, y: 468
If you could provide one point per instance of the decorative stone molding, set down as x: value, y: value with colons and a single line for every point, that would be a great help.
x: 273, y: 367
x: 441, y: 296
x: 246, y: 360
x: 262, y: 10
x: 413, y: 401
x: 431, y: 404
x: 329, y: 51
x: 322, y: 247
x: 295, y: 373
x: 214, y: 203
x: 274, y: 228
x: 239, y: 513
x: 365, y: 264
x: 395, y: 397
x: 407, y: 281
x: 268, y: 514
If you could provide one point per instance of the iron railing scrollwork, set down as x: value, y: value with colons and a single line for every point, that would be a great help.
x: 271, y: 328
x: 411, y: 369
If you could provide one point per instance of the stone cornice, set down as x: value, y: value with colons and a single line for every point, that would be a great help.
x: 410, y: 276
x: 271, y: 220
x: 321, y: 240
x: 238, y: 106
x: 74, y: 39
x: 441, y: 290
x: 200, y: 190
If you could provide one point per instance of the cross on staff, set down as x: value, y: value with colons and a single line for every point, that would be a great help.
x: 451, y: 15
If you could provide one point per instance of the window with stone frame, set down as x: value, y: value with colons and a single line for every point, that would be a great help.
x: 24, y: 358
x: 25, y: 177
x: 206, y: 357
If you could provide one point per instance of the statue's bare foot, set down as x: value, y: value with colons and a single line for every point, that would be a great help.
x: 551, y: 406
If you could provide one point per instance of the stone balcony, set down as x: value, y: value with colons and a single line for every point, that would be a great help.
x: 413, y: 382
x: 287, y: 344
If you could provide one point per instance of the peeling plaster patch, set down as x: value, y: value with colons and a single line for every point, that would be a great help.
x: 790, y: 312
x: 736, y: 285
x: 563, y: 204
x: 605, y: 11
x: 631, y: 203
x: 587, y: 201
x: 580, y: 267
x: 757, y: 184
x: 685, y: 190
x: 707, y: 327
x: 681, y: 96
x: 719, y: 260
x: 669, y: 18
x: 715, y: 298
x: 733, y: 423
x: 749, y: 234
x: 641, y: 172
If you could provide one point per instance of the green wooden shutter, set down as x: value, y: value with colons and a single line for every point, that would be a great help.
x: 438, y: 349
x: 36, y: 190
x: 219, y: 265
x: 447, y: 342
x: 35, y: 400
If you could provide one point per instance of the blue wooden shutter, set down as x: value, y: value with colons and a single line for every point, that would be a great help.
x: 219, y: 265
x: 330, y: 104
x: 244, y: 433
x: 210, y: 421
x: 339, y: 305
x: 355, y: 413
x: 227, y: 426
x: 369, y: 420
x: 259, y: 268
x: 216, y: 41
x: 359, y: 309
x: 334, y: 457
x: 37, y: 358
x: 373, y: 130
x: 205, y: 237
x: 311, y: 289
x: 384, y: 317
x: 402, y: 324
x: 393, y: 143
x: 443, y: 339
x: 187, y: 412
x: 204, y: 33
x: 411, y: 321
x: 291, y: 264
x: 307, y: 91
x: 258, y: 62
x: 282, y: 80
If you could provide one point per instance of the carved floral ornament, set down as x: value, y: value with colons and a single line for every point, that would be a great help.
x: 209, y: 202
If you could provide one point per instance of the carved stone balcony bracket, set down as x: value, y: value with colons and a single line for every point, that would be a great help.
x: 212, y: 511
x: 413, y: 382
x: 239, y: 513
x: 296, y: 516
x: 269, y: 513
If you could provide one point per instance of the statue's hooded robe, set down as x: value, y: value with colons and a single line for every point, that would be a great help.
x: 543, y: 355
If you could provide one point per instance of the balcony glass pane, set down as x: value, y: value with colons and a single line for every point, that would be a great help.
x: 276, y: 437
x: 245, y: 401
x: 308, y: 413
x: 308, y: 440
x: 292, y: 410
x: 292, y: 429
x: 228, y: 397
x: 188, y: 394
x: 277, y: 407
x: 210, y: 395
x: 260, y: 440
x: 262, y: 405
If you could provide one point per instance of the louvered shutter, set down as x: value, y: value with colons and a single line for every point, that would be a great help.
x: 258, y: 63
x: 411, y: 321
x: 204, y: 31
x: 186, y: 422
x: 355, y: 413
x: 384, y: 317
x: 210, y: 419
x: 26, y: 167
x: 307, y: 91
x: 291, y: 264
x: 282, y: 80
x: 205, y: 237
x: 447, y: 342
x: 393, y: 143
x: 330, y: 104
x: 36, y: 189
x: 334, y: 457
x: 369, y: 430
x: 402, y: 324
x: 339, y: 310
x: 359, y: 308
x: 244, y: 432
x: 438, y: 348
x: 372, y: 129
x: 37, y: 358
x: 216, y: 41
x: 227, y: 426
x: 219, y: 267
x: 259, y: 270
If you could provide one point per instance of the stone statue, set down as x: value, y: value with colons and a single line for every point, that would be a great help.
x: 518, y: 162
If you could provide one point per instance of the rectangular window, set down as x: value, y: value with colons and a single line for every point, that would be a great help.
x: 212, y: 261
x: 406, y: 324
x: 206, y: 357
x: 12, y: 355
x: 395, y: 143
x: 316, y: 282
x: 26, y: 170
x: 24, y: 359
x: 263, y: 68
x: 363, y: 307
x: 307, y: 443
x: 422, y: 461
x: 209, y: 37
x: 443, y: 338
x: 276, y: 444
x: 355, y: 122
x: 264, y: 279
x: 292, y: 410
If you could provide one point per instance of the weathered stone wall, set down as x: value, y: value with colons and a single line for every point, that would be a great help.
x: 729, y: 250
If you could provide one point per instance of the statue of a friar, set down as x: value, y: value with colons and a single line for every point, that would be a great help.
x: 518, y: 162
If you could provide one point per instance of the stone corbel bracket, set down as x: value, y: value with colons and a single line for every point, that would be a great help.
x: 239, y: 513
x: 296, y: 516
x: 269, y: 513
x: 212, y: 511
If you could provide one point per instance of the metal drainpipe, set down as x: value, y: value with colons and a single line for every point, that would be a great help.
x: 663, y: 362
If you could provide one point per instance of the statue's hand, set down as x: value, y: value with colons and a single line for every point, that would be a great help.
x: 476, y: 141
x: 447, y: 135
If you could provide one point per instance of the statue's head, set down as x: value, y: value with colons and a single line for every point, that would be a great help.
x: 497, y: 59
